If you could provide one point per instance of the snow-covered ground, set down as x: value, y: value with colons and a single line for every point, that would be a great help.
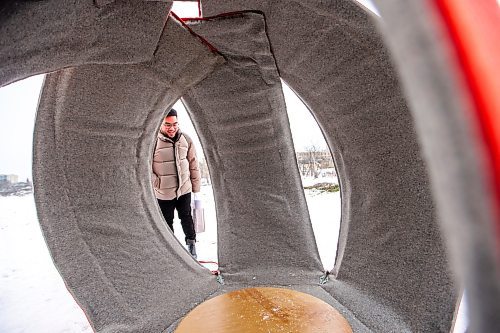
x: 33, y: 298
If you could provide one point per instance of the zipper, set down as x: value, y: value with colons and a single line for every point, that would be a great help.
x: 176, y: 169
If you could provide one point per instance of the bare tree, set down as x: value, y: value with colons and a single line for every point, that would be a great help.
x: 313, y: 166
x: 314, y: 161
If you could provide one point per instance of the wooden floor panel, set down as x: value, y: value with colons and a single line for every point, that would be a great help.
x: 264, y: 310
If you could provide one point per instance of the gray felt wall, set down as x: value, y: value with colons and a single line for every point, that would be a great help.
x: 124, y: 64
x: 43, y: 36
x: 391, y: 262
x: 264, y: 231
x: 94, y: 136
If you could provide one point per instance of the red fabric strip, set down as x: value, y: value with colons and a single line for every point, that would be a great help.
x: 228, y: 14
x: 203, y: 40
x: 474, y: 29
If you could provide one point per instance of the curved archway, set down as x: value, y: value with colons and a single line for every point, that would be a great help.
x: 206, y: 241
x: 372, y: 127
x: 319, y: 177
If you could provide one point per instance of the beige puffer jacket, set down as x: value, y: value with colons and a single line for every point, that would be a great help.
x: 175, y: 172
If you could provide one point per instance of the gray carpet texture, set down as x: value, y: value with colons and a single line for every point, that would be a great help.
x: 44, y: 36
x: 94, y: 137
x: 264, y: 231
x: 416, y: 220
x: 390, y: 250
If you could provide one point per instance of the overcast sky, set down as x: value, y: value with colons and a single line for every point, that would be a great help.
x: 18, y: 103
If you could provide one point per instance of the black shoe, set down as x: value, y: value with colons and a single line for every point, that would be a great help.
x: 191, y: 247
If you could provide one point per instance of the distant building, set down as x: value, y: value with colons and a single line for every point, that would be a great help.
x: 12, y: 179
x: 9, y: 185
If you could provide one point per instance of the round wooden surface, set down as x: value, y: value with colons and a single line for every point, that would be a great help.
x: 267, y: 310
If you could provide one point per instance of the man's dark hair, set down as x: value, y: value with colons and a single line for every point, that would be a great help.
x: 172, y: 112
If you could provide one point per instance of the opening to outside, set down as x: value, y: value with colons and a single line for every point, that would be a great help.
x: 206, y: 241
x: 185, y: 9
x: 462, y: 321
x: 368, y: 4
x: 30, y: 285
x: 319, y: 178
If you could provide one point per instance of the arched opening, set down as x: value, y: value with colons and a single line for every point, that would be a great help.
x: 319, y: 178
x: 31, y: 286
x: 186, y: 8
x: 206, y: 243
x: 27, y: 272
x: 462, y: 321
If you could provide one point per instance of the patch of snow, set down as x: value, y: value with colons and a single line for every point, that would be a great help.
x: 310, y: 181
x: 324, y: 210
x: 33, y: 297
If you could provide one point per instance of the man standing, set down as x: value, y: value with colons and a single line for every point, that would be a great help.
x: 175, y: 175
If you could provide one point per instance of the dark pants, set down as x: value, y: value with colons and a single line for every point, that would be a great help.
x: 183, y: 206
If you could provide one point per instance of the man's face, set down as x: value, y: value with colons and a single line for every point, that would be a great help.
x: 170, y: 126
